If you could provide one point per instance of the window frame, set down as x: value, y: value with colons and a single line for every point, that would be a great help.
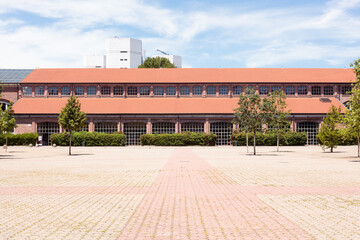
x: 105, y: 91
x: 300, y: 92
x: 210, y: 93
x: 144, y: 91
x: 79, y: 93
x: 195, y: 93
x: 118, y: 90
x: 157, y: 91
x: 41, y: 93
x: 185, y: 91
x: 168, y: 91
x: 287, y: 92
x: 223, y: 93
x: 62, y: 89
x: 26, y: 92
x: 132, y: 91
x: 261, y: 92
x: 89, y: 91
x: 50, y: 93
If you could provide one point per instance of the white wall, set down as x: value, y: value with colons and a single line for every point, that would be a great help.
x: 123, y: 53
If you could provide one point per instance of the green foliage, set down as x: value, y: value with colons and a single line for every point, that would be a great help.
x: 71, y: 117
x: 269, y: 138
x: 157, y: 62
x: 19, y: 139
x: 253, y: 112
x: 90, y: 138
x: 356, y: 68
x: 329, y: 135
x: 179, y: 139
x: 7, y: 120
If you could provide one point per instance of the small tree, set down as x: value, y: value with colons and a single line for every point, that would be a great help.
x: 280, y: 118
x: 7, y: 121
x: 253, y: 112
x: 157, y: 62
x: 329, y: 135
x: 71, y: 118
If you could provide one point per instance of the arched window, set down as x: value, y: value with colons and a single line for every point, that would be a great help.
x: 263, y: 90
x: 290, y: 90
x: 91, y: 90
x: 106, y: 90
x: 27, y: 91
x: 192, y: 127
x: 132, y: 91
x: 170, y: 91
x: 144, y: 91
x: 237, y: 90
x: 65, y: 91
x: 158, y: 91
x: 79, y: 91
x: 197, y: 90
x: 163, y: 127
x: 184, y: 90
x: 118, y: 90
x: 53, y: 91
x: 275, y: 88
x: 211, y: 90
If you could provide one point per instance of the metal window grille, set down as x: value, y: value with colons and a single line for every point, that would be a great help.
x: 65, y: 91
x: 133, y: 131
x: 79, y: 90
x: 197, y: 90
x: 144, y: 91
x: 223, y: 131
x: 192, y: 127
x: 223, y: 90
x: 163, y: 127
x: 264, y: 90
x: 118, y: 90
x: 211, y: 90
x: 53, y: 91
x: 346, y: 90
x: 284, y: 126
x: 85, y: 128
x: 290, y: 90
x: 316, y: 90
x: 311, y: 129
x: 105, y: 90
x: 328, y: 90
x: 170, y: 91
x: 158, y: 91
x: 91, y: 90
x: 46, y: 129
x: 237, y: 90
x: 27, y: 90
x: 106, y: 127
x: 184, y: 90
x: 302, y: 90
x: 275, y: 88
x: 39, y: 91
x: 132, y: 91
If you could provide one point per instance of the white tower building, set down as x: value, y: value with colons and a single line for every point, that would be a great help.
x: 176, y: 60
x: 123, y: 53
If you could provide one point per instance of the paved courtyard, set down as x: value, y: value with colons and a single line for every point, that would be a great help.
x: 179, y: 193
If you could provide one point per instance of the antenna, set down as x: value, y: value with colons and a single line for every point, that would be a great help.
x: 162, y: 52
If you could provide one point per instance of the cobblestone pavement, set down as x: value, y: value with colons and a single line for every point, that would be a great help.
x: 179, y: 193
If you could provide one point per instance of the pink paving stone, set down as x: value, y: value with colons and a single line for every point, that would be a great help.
x: 190, y: 199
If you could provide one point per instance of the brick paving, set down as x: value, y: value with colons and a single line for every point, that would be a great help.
x: 179, y: 193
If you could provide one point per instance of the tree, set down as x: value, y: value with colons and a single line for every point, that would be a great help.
x: 71, y: 118
x: 7, y: 121
x: 157, y: 62
x: 329, y: 135
x: 280, y: 118
x: 253, y: 112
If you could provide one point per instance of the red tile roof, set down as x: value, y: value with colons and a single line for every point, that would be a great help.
x: 191, y: 75
x: 162, y: 105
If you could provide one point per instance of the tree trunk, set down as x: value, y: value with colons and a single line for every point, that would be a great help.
x: 247, y: 141
x: 6, y: 142
x: 255, y: 142
x: 332, y: 149
x: 277, y: 140
x: 70, y: 144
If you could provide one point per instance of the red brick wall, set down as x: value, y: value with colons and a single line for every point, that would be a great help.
x: 9, y: 93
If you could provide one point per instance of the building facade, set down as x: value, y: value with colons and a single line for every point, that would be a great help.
x: 138, y: 101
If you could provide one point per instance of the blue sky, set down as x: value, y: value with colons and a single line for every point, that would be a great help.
x: 217, y: 33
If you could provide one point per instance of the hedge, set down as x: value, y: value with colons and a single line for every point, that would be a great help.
x: 90, y: 138
x: 19, y: 139
x: 179, y: 139
x: 269, y: 139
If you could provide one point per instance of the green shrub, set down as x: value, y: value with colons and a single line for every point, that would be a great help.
x: 90, y: 138
x: 179, y: 139
x: 19, y: 139
x: 269, y: 139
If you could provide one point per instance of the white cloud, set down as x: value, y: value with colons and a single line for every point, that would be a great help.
x: 273, y: 36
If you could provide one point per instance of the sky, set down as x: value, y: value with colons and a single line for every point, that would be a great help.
x: 207, y: 34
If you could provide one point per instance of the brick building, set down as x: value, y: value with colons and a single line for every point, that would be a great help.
x: 138, y: 101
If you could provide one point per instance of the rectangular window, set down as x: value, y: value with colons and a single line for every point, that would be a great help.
x: 123, y: 51
x: 328, y: 90
x: 91, y: 90
x: 158, y: 91
x: 118, y: 90
x: 65, y: 91
x: 316, y: 90
x: 27, y: 91
x: 302, y: 90
x: 170, y: 91
x: 184, y: 91
x: 39, y: 91
x: 53, y: 91
x: 132, y: 91
x: 105, y: 90
x: 290, y: 90
x: 79, y: 91
x: 264, y: 90
x: 144, y: 91
x: 346, y: 90
x: 275, y: 88
x: 197, y: 90
x: 237, y: 90
x: 211, y: 90
x: 223, y: 90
